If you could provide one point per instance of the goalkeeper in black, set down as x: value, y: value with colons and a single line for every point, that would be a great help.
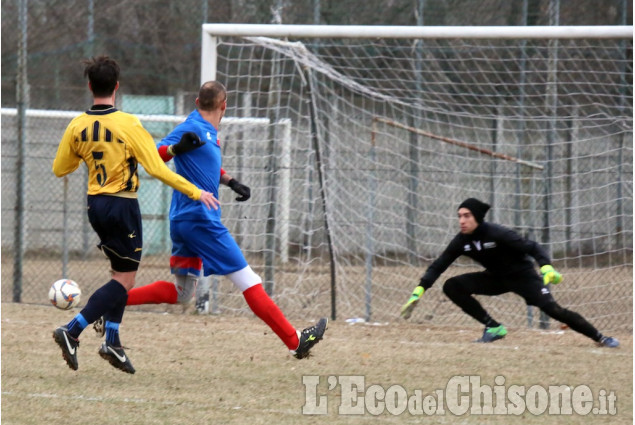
x: 508, y: 268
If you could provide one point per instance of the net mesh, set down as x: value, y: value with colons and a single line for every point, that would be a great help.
x: 357, y: 153
x: 407, y: 129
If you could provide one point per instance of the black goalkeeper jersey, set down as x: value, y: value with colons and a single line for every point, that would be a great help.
x: 500, y: 250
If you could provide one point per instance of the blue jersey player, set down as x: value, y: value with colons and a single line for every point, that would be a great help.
x: 199, y: 238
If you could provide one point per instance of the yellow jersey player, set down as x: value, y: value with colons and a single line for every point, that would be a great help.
x: 112, y: 143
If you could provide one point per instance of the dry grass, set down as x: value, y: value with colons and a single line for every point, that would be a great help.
x: 602, y: 296
x: 195, y: 369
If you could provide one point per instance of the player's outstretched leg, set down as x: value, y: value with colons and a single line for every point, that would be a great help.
x: 309, y: 337
x: 116, y: 356
x: 579, y: 324
x: 68, y: 344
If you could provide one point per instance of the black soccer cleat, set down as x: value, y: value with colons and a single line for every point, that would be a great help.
x: 116, y: 357
x: 100, y: 326
x: 68, y: 344
x: 309, y: 337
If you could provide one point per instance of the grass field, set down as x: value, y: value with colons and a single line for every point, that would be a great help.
x: 194, y: 369
x: 604, y: 296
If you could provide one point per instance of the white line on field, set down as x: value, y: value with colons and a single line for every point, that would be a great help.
x: 89, y: 398
x: 296, y: 412
x: 142, y: 401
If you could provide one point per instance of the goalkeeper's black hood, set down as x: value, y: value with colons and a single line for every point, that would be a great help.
x: 478, y: 208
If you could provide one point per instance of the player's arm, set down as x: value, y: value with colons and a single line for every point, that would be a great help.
x: 438, y: 266
x: 242, y: 190
x: 188, y: 142
x: 146, y: 154
x: 66, y: 160
x: 514, y: 241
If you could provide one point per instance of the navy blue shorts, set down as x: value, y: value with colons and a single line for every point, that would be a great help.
x: 117, y: 222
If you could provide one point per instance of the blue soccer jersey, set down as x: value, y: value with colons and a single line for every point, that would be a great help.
x: 201, y: 165
x: 197, y: 231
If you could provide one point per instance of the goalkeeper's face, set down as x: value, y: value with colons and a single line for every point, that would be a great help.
x: 467, y: 222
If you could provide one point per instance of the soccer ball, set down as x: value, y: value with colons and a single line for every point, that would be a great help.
x: 65, y: 294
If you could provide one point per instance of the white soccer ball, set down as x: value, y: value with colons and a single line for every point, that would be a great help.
x: 65, y: 294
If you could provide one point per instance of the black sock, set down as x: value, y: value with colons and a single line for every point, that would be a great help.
x: 490, y: 323
x: 113, y: 320
x: 102, y: 301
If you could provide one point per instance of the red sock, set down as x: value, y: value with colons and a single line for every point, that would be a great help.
x: 270, y: 313
x: 158, y: 292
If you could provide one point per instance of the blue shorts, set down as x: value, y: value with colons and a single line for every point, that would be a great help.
x: 117, y: 222
x: 209, y: 241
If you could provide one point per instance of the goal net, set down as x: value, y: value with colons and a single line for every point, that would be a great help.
x: 392, y: 128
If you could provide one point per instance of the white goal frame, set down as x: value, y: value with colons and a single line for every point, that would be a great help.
x: 211, y: 32
x: 289, y: 35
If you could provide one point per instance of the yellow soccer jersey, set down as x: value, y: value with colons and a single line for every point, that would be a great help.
x: 112, y: 143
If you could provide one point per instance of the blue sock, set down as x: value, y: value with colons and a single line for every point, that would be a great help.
x: 77, y: 325
x: 112, y: 334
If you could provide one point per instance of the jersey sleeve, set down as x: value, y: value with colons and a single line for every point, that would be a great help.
x: 163, y: 153
x: 514, y: 241
x: 167, y: 141
x: 441, y: 264
x: 66, y: 160
x: 148, y: 156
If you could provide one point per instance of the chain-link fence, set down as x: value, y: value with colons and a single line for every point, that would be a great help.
x: 46, y: 235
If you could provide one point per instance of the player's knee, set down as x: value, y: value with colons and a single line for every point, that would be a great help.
x: 451, y: 287
x: 244, y: 279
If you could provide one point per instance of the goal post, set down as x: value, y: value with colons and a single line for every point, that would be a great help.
x: 392, y: 127
x: 211, y: 33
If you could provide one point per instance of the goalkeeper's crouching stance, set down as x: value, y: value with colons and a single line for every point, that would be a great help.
x: 508, y: 268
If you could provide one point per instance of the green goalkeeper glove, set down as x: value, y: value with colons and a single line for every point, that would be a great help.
x: 549, y: 275
x: 406, y: 310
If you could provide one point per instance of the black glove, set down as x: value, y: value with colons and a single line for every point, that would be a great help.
x: 189, y: 141
x: 241, y: 189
